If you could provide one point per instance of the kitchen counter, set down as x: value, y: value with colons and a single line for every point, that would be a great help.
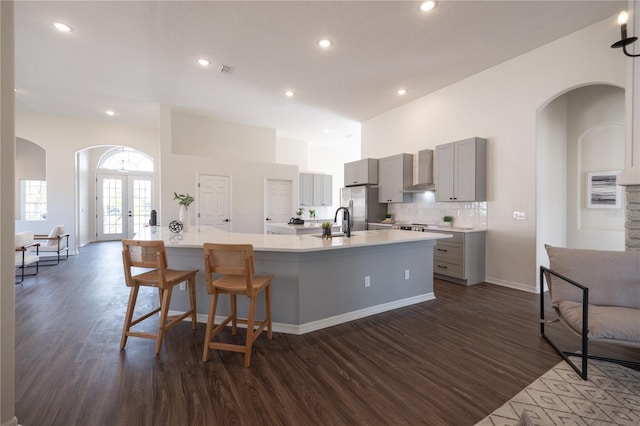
x: 318, y: 283
x: 198, y: 235
x: 436, y: 228
x: 306, y: 228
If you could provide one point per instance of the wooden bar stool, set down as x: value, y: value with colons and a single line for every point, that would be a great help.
x: 236, y: 263
x: 152, y: 255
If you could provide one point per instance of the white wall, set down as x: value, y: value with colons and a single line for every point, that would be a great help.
x: 86, y: 215
x: 595, y: 136
x: 292, y: 151
x: 179, y: 173
x: 200, y: 135
x: 551, y: 176
x: 62, y: 137
x: 501, y: 104
x: 7, y: 216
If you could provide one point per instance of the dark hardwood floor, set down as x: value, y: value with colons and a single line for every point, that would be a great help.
x: 450, y: 361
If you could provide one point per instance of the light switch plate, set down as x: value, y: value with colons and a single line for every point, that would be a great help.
x: 519, y: 215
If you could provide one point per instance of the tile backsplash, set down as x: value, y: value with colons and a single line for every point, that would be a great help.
x: 425, y: 209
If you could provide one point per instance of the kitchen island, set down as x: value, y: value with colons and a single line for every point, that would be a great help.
x: 304, y: 229
x: 318, y: 283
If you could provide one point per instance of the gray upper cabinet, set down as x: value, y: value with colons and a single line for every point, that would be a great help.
x: 316, y: 190
x: 461, y: 170
x: 306, y: 189
x: 361, y: 172
x: 395, y: 173
x: 322, y: 190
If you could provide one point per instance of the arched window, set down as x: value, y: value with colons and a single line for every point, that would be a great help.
x: 125, y: 159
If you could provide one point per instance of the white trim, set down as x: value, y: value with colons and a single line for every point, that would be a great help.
x: 12, y: 422
x: 331, y: 321
x: 509, y: 284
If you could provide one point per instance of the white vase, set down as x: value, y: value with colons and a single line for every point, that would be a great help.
x: 184, y: 218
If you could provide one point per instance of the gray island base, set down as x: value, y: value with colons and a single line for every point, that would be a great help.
x: 318, y: 283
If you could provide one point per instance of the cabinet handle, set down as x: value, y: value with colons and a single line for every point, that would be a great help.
x: 441, y: 266
x: 444, y: 250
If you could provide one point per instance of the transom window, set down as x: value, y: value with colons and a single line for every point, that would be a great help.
x: 125, y: 159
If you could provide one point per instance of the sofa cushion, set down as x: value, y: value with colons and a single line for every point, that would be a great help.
x: 23, y: 238
x: 55, y: 233
x: 605, y: 322
x: 613, y: 277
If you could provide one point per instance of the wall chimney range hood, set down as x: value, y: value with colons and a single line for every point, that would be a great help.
x: 425, y: 173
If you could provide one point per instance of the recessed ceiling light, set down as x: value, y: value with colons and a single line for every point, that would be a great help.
x: 289, y: 93
x: 426, y: 6
x: 204, y: 62
x: 402, y: 92
x: 110, y: 112
x: 64, y: 28
x: 325, y: 43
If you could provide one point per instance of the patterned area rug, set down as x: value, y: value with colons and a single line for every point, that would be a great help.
x: 611, y: 396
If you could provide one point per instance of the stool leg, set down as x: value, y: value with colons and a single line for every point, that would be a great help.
x: 250, y: 332
x: 133, y: 295
x: 267, y: 298
x: 213, y: 301
x: 192, y: 300
x: 164, y: 311
x: 234, y: 314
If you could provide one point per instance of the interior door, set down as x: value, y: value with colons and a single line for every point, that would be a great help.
x: 123, y: 206
x: 278, y: 201
x: 214, y: 201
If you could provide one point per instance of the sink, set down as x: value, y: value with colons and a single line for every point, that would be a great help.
x: 333, y: 235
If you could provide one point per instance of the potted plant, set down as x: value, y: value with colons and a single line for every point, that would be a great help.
x: 448, y: 220
x: 312, y: 213
x: 326, y: 229
x: 184, y: 201
x: 300, y: 211
x: 388, y: 218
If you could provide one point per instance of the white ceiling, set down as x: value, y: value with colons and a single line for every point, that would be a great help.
x: 133, y: 56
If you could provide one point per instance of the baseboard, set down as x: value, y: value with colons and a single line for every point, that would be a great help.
x: 350, y: 316
x: 509, y: 284
x: 331, y: 321
x: 12, y: 422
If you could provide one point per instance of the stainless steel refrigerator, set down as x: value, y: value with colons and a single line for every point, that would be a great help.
x: 363, y: 205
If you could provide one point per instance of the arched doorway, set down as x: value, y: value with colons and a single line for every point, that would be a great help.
x: 579, y: 132
x: 115, y: 192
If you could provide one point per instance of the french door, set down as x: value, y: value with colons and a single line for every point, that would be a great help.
x: 123, y: 206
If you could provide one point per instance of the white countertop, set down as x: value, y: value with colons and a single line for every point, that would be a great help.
x: 305, y: 225
x: 436, y: 228
x: 198, y: 235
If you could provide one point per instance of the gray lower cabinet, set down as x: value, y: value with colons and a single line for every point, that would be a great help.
x: 460, y: 259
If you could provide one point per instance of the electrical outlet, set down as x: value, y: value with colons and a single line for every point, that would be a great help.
x: 519, y: 215
x: 367, y: 281
x: 183, y: 286
x: 406, y: 274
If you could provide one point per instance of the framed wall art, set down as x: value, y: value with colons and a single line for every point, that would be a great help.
x: 602, y: 191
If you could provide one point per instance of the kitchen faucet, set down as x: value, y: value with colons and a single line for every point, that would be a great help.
x: 347, y: 232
